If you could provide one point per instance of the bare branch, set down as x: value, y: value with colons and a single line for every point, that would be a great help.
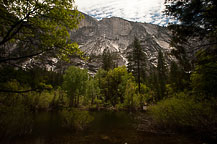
x: 23, y: 57
x: 12, y: 91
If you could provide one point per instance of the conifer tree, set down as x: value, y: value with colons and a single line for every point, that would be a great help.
x: 161, y: 72
x: 178, y: 79
x: 197, y: 20
x: 137, y: 62
x: 108, y: 60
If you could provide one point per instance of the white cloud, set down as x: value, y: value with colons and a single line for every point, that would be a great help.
x: 149, y: 11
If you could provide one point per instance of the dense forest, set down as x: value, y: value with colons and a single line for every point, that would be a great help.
x: 178, y: 95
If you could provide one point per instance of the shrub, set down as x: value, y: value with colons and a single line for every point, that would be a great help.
x: 131, y: 100
x: 183, y: 111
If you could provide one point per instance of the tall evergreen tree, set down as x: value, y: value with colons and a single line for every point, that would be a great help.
x: 204, y: 76
x: 198, y: 20
x: 108, y: 60
x: 178, y: 79
x: 137, y: 62
x: 174, y: 77
x: 153, y: 82
x: 162, y: 77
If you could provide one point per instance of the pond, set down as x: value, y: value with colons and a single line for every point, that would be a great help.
x: 106, y: 128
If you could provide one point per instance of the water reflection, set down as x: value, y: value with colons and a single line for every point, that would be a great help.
x: 106, y: 128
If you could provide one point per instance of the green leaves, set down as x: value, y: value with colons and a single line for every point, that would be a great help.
x: 162, y: 77
x: 204, y: 77
x: 113, y: 84
x: 40, y: 25
x: 75, y: 84
x: 108, y: 60
x: 137, y: 62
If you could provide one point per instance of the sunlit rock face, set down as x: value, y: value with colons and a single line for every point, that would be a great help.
x: 116, y: 35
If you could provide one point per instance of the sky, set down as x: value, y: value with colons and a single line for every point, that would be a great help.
x: 149, y: 11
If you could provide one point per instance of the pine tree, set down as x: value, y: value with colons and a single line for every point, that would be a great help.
x: 161, y: 71
x: 178, y: 79
x: 137, y: 62
x: 108, y: 60
x: 174, y: 76
x: 197, y: 20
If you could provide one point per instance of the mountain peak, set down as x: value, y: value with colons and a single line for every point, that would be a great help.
x: 117, y: 34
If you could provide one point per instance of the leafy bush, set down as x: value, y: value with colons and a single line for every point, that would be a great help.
x: 131, y: 99
x: 75, y: 82
x: 46, y: 100
x: 146, y: 95
x: 182, y: 111
x: 76, y: 119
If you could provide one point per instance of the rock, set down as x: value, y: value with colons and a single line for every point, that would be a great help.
x: 145, y: 108
x: 105, y: 137
x: 116, y: 35
x: 113, y: 34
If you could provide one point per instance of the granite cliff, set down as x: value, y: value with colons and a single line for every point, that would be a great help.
x: 116, y: 35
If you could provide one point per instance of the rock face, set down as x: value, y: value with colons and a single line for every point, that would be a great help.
x: 116, y: 35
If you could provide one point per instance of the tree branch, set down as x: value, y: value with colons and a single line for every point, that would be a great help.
x: 11, y: 31
x: 23, y: 57
x: 12, y: 91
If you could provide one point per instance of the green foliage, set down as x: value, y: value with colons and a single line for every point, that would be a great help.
x: 135, y: 100
x: 13, y: 85
x: 198, y: 17
x: 197, y: 20
x: 35, y: 99
x: 100, y: 79
x: 178, y: 79
x: 137, y: 62
x: 182, y: 111
x: 204, y: 77
x: 162, y: 76
x: 152, y: 81
x: 131, y: 99
x: 119, y: 89
x: 75, y: 84
x: 108, y: 60
x: 36, y: 79
x: 146, y: 95
x: 76, y: 119
x: 39, y: 27
x: 116, y: 81
x: 92, y: 95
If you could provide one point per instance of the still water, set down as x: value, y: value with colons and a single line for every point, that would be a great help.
x: 106, y: 128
